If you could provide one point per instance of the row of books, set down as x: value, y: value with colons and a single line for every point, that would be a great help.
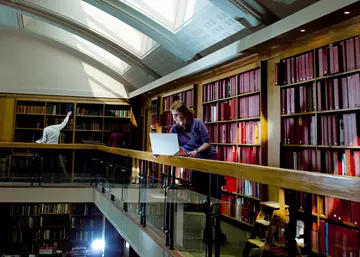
x: 118, y: 113
x: 111, y: 126
x: 227, y: 110
x: 337, y: 93
x: 332, y: 59
x: 246, y: 82
x: 59, y: 108
x: 50, y: 220
x: 235, y: 133
x: 29, y: 222
x: 84, y: 235
x: 180, y: 173
x: 340, y: 130
x: 336, y: 130
x: 86, y: 111
x: 84, y: 125
x: 85, y: 223
x: 30, y: 109
x: 336, y: 162
x: 57, y: 208
x: 243, y: 187
x: 64, y: 108
x: 332, y: 94
x: 220, y: 89
x: 54, y: 234
x: 294, y: 69
x: 23, y: 237
x: 298, y: 99
x: 37, y: 209
x: 85, y: 210
x: 299, y: 130
x: 4, y: 164
x: 247, y: 107
x: 186, y: 97
x: 339, y: 57
x: 330, y: 239
x: 249, y: 81
x: 69, y: 125
x: 240, y: 208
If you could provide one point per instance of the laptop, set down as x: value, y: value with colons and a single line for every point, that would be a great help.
x: 164, y: 144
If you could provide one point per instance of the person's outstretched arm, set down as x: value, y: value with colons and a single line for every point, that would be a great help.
x: 65, y: 121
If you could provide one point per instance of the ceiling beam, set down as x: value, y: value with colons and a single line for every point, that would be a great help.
x: 257, y: 10
x: 234, y: 50
x: 79, y: 29
x: 237, y: 13
x: 146, y: 25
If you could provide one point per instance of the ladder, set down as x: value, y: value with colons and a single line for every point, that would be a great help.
x: 268, y: 234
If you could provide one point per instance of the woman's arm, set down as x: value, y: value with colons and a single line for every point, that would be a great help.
x: 204, y: 134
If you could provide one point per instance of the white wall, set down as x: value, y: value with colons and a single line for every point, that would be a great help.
x: 46, y: 195
x: 30, y: 66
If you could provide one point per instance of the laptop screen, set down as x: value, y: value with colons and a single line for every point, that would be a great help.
x: 164, y: 143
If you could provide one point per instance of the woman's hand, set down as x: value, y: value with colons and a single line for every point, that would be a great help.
x: 193, y: 153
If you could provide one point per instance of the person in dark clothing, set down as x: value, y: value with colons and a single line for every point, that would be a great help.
x: 194, y: 139
x: 116, y: 138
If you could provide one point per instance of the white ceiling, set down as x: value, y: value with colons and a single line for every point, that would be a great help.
x: 144, y: 40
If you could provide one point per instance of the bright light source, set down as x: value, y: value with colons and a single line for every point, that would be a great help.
x: 347, y: 12
x: 127, y: 245
x: 303, y: 30
x: 98, y: 245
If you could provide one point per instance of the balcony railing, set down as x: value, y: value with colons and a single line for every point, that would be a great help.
x: 187, y: 220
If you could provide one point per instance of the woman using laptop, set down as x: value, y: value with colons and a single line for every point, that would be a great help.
x: 195, y: 141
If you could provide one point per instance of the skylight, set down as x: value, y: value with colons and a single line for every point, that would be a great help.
x: 75, y: 42
x: 105, y: 24
x: 171, y: 14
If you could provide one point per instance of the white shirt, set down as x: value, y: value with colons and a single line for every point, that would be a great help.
x: 51, y: 133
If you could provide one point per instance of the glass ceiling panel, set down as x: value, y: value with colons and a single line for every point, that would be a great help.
x: 111, y: 27
x: 172, y: 14
x: 76, y: 42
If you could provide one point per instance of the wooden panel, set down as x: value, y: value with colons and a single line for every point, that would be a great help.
x: 178, y: 90
x: 43, y: 98
x: 232, y: 72
x: 7, y: 114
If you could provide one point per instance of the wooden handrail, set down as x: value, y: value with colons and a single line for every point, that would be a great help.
x: 343, y: 187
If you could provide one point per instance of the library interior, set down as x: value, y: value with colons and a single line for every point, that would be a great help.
x: 244, y: 92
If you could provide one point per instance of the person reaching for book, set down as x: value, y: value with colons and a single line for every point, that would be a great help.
x: 51, y: 133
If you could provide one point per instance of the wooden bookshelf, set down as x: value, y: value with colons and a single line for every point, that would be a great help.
x: 34, y: 228
x: 320, y: 132
x: 234, y: 111
x: 90, y: 121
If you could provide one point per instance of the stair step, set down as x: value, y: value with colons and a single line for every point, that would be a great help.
x: 256, y: 242
x: 263, y: 222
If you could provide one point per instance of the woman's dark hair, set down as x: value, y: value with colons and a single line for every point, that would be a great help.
x: 186, y: 112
